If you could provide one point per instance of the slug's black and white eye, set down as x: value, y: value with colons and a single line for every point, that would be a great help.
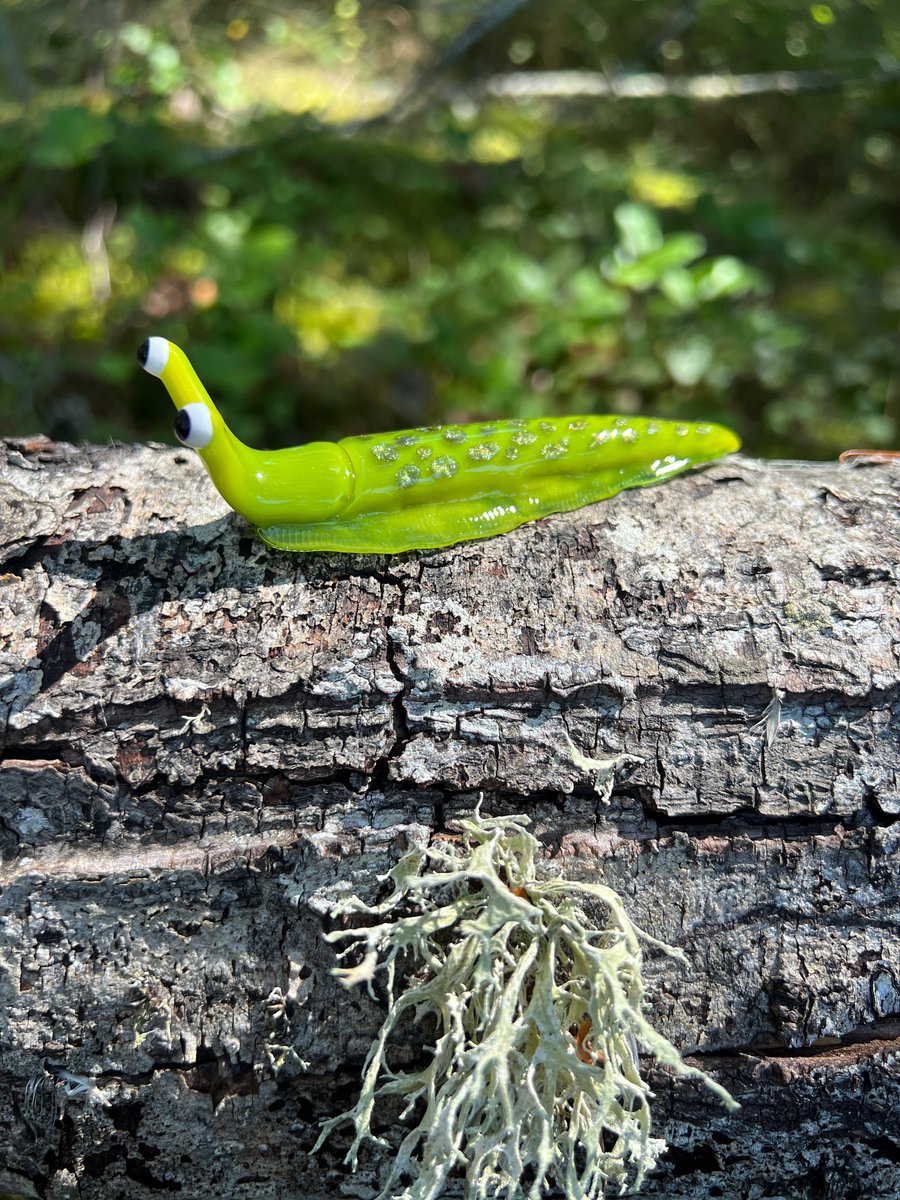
x: 193, y: 426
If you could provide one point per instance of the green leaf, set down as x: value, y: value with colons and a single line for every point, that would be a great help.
x: 592, y: 298
x: 137, y: 38
x: 688, y: 361
x: 725, y: 277
x: 639, y: 230
x: 648, y: 271
x: 679, y: 287
x: 70, y: 136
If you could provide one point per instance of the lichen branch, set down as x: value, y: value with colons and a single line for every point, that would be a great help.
x: 535, y: 1079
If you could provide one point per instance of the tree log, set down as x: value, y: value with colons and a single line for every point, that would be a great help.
x: 205, y: 742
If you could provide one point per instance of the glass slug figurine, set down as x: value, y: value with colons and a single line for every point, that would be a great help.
x: 419, y: 489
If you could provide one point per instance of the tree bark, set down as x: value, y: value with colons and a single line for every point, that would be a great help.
x: 205, y: 742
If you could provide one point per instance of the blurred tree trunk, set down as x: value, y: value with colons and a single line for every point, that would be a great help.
x: 205, y: 742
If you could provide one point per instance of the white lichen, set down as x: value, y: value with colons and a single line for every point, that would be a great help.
x: 41, y: 1106
x: 534, y: 1081
x: 79, y: 1086
x: 770, y: 721
x: 603, y: 769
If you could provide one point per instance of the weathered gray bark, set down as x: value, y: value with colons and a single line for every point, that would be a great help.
x: 204, y: 741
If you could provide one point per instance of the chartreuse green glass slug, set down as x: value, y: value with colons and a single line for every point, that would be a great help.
x: 430, y: 487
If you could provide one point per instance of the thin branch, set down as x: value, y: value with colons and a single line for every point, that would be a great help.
x: 567, y: 85
x: 576, y: 84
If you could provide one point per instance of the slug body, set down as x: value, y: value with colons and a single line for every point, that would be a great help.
x: 430, y: 487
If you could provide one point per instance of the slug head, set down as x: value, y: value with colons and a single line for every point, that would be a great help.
x: 298, y: 485
x: 199, y: 425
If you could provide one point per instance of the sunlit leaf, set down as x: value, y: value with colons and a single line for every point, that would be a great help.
x: 639, y: 230
x: 687, y: 361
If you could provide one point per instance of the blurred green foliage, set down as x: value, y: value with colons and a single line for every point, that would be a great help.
x: 211, y: 172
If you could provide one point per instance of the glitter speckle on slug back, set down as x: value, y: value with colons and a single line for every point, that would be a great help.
x: 444, y: 467
x: 406, y: 439
x: 455, y: 435
x: 555, y: 449
x: 524, y: 438
x: 483, y: 452
x: 408, y: 475
x: 385, y: 453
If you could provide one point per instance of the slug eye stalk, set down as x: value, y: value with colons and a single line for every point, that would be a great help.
x: 428, y: 487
